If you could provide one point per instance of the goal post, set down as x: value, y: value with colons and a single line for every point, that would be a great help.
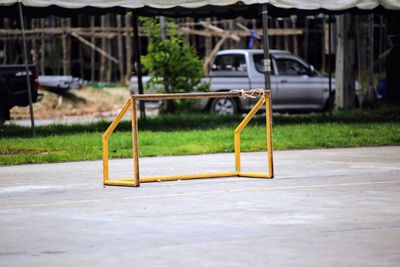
x: 264, y: 98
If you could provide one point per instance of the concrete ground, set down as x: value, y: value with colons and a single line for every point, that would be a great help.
x: 333, y: 207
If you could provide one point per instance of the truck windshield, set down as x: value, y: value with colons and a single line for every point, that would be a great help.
x: 229, y: 65
x: 258, y: 62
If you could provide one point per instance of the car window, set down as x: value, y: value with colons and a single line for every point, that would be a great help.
x: 258, y: 62
x: 230, y: 64
x: 287, y: 66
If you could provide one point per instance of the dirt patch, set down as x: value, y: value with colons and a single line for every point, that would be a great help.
x: 7, y: 152
x: 86, y: 101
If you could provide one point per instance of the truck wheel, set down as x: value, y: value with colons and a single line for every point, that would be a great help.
x: 4, y: 111
x: 224, y: 106
x: 3, y: 114
x: 329, y: 104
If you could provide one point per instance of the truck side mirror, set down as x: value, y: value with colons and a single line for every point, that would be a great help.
x: 312, y: 71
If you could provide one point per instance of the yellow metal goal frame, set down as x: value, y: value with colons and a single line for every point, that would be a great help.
x: 265, y: 97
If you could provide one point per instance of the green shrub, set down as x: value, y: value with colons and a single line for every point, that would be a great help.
x: 171, y: 62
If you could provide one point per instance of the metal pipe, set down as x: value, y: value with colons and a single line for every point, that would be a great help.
x: 240, y: 127
x: 250, y: 115
x: 107, y: 134
x: 267, y: 82
x: 187, y: 177
x: 265, y: 96
x: 370, y: 58
x: 267, y: 60
x: 117, y: 119
x: 138, y: 63
x: 105, y: 160
x: 237, y: 151
x: 129, y: 182
x: 25, y: 54
x: 135, y: 144
x: 254, y: 175
x: 162, y: 27
x: 268, y: 121
x: 255, y: 93
x: 330, y: 65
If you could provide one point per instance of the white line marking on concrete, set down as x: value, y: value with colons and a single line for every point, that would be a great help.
x: 24, y: 188
x: 76, y: 202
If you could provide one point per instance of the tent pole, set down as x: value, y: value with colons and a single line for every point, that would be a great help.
x: 370, y: 50
x: 25, y: 54
x: 330, y: 65
x: 162, y: 24
x: 138, y: 63
x: 266, y: 61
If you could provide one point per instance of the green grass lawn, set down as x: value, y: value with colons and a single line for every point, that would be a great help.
x: 200, y: 133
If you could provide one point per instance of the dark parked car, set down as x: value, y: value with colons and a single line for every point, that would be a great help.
x: 13, y: 88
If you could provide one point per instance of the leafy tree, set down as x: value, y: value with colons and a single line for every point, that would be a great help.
x: 172, y: 63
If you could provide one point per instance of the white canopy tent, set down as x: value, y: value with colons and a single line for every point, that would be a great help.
x: 196, y: 8
x: 163, y: 4
x: 193, y: 8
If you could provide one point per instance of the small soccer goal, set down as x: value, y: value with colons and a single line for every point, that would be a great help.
x: 135, y: 180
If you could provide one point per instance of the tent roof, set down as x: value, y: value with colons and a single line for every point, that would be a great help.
x: 196, y: 8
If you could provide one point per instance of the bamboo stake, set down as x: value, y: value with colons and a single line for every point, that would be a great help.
x: 305, y: 51
x: 42, y: 48
x: 5, y: 43
x: 212, y: 54
x: 109, y: 49
x: 128, y: 48
x: 102, y: 75
x: 92, y: 54
x: 95, y: 48
x: 295, y: 41
x: 35, y: 45
x: 286, y: 38
x: 120, y: 51
x: 65, y: 23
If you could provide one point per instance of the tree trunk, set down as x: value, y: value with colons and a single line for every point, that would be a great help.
x: 345, y: 63
x: 170, y: 108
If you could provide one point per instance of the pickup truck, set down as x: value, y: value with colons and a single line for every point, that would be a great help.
x: 295, y: 85
x: 13, y: 89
